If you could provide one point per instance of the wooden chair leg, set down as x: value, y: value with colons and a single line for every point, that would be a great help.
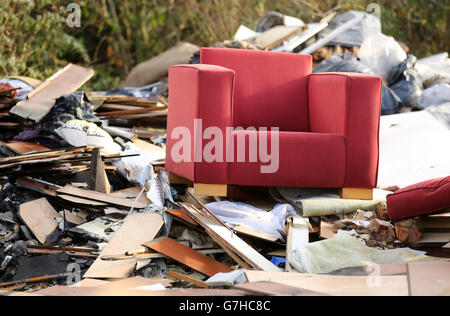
x: 356, y: 194
x: 219, y: 190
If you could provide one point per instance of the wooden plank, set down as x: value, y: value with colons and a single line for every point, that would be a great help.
x: 143, y: 145
x: 41, y: 218
x: 134, y: 191
x: 100, y: 197
x: 47, y: 189
x: 219, y: 190
x: 186, y: 278
x: 298, y: 235
x: 337, y: 285
x: 78, y: 200
x: 356, y: 194
x: 277, y: 35
x: 250, y: 232
x: 65, y: 81
x: 275, y: 289
x: 182, y: 217
x: 187, y: 256
x: 233, y: 242
x: 22, y: 148
x: 98, y: 179
x: 136, y: 230
x: 429, y: 278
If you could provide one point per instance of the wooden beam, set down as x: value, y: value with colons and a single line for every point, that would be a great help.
x: 219, y: 190
x: 356, y: 194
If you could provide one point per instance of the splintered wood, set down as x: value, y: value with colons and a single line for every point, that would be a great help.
x: 137, y: 229
x: 187, y: 256
x: 43, y: 98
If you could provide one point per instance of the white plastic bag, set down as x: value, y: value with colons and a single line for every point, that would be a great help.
x: 243, y: 214
x: 436, y: 95
x: 381, y: 54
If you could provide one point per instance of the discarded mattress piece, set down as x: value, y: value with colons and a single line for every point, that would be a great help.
x: 344, y: 251
x: 314, y: 202
x: 420, y: 199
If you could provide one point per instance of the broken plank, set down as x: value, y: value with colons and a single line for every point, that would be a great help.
x: 336, y: 285
x: 82, y: 201
x: 277, y: 35
x: 233, y: 242
x: 41, y: 218
x: 100, y: 197
x: 98, y: 179
x: 275, y: 289
x: 187, y: 256
x: 65, y: 81
x: 22, y: 148
x: 181, y: 216
x: 250, y: 232
x: 37, y: 186
x: 137, y: 229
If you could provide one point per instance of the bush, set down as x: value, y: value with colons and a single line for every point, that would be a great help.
x: 116, y: 35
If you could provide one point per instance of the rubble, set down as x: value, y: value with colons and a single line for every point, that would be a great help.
x: 87, y: 207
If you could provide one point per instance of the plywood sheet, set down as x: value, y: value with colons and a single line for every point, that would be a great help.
x: 65, y: 81
x: 277, y: 35
x: 41, y: 218
x: 137, y: 229
x: 429, y: 278
x: 100, y: 197
x: 187, y: 256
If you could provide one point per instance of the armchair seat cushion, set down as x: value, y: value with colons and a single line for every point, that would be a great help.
x: 305, y: 160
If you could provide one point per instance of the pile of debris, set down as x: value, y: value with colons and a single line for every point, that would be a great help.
x: 87, y: 208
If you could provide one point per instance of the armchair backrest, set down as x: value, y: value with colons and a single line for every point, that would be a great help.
x: 271, y: 89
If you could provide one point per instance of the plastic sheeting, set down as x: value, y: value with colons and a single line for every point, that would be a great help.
x: 381, y: 53
x: 434, y: 69
x: 346, y: 251
x: 237, y: 214
x: 23, y: 87
x: 75, y: 106
x: 391, y: 103
x: 356, y: 35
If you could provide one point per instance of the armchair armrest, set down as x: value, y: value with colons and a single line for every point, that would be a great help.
x: 201, y: 98
x: 350, y: 105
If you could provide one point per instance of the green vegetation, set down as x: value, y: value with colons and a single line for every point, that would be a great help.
x: 116, y: 35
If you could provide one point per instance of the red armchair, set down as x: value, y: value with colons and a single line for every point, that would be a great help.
x: 328, y: 124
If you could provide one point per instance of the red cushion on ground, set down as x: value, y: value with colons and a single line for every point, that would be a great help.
x: 419, y: 199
